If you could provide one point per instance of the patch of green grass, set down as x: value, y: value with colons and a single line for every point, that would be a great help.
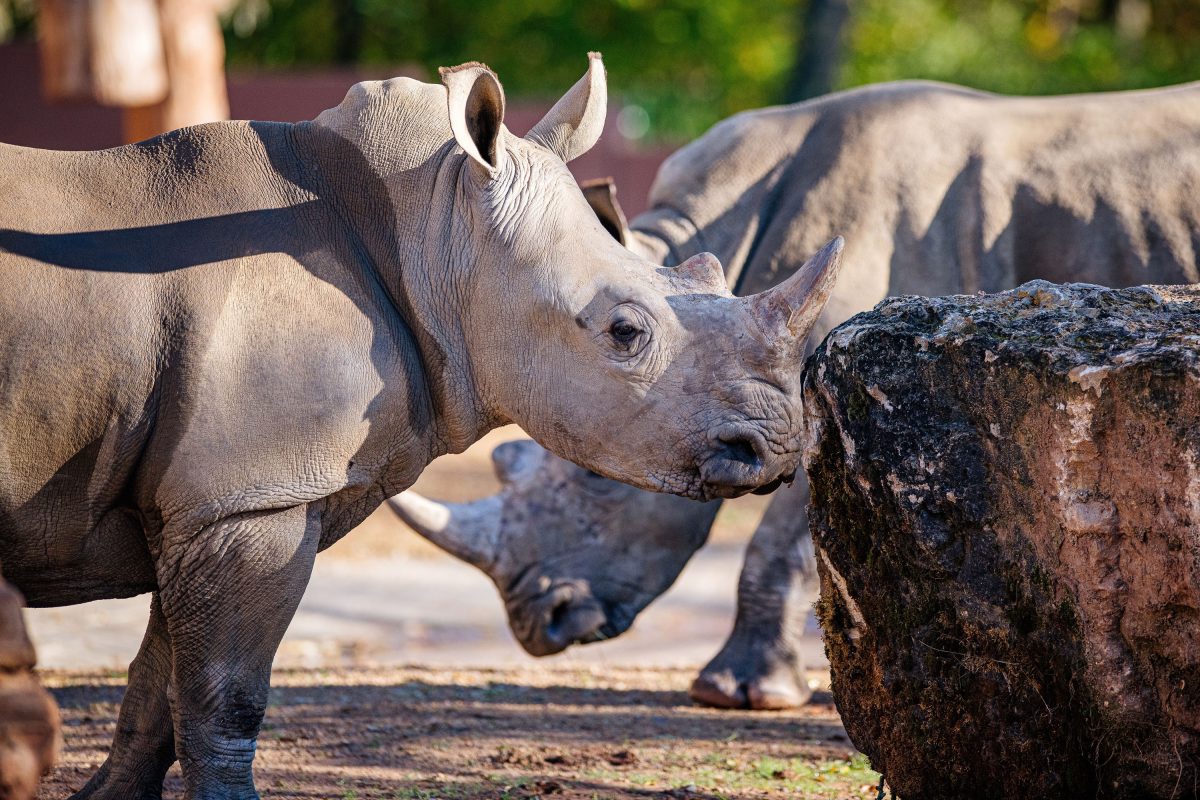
x: 720, y: 772
x: 448, y: 791
x: 413, y: 794
x: 793, y: 775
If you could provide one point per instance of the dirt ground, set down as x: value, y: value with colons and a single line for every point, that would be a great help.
x: 480, y: 719
x: 513, y: 734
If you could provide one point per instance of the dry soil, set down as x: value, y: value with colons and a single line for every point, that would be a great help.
x: 523, y: 733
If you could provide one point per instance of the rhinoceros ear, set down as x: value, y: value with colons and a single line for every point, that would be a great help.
x: 516, y: 460
x: 476, y: 103
x: 574, y: 124
x: 601, y: 195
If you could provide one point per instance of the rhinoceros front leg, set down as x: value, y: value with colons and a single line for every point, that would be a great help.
x: 143, y: 747
x: 228, y: 594
x: 760, y: 665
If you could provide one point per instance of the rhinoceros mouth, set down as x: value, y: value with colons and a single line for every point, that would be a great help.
x: 775, y: 484
x: 564, y: 614
x: 551, y: 620
x: 742, y: 460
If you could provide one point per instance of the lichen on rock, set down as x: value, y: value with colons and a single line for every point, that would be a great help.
x: 1006, y: 508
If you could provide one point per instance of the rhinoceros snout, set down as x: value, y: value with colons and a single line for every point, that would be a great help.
x: 741, y: 462
x: 555, y: 620
x: 572, y: 622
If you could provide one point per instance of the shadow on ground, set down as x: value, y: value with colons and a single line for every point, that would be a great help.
x: 419, y: 733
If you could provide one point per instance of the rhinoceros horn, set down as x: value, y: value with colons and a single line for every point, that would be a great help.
x: 468, y: 531
x: 790, y: 309
x: 574, y: 124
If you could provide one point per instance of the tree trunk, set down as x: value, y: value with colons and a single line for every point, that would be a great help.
x: 820, y: 54
x: 163, y: 61
x: 108, y: 51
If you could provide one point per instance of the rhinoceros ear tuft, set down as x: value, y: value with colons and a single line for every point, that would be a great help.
x: 705, y: 273
x: 476, y: 102
x: 516, y: 460
x: 601, y: 195
x: 574, y: 124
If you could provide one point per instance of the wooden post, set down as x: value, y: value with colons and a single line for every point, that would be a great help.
x: 195, y: 54
x: 160, y: 60
x: 109, y: 51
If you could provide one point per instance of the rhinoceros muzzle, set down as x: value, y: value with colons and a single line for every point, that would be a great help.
x: 558, y: 618
x: 564, y: 614
x: 742, y: 462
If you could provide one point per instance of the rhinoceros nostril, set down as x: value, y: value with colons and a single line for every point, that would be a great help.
x: 740, y: 448
x: 558, y: 614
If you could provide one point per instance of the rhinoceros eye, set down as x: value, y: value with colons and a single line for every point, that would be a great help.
x: 628, y: 330
x: 624, y: 332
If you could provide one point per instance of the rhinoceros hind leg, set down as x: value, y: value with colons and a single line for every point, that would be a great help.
x: 143, y: 747
x: 231, y: 591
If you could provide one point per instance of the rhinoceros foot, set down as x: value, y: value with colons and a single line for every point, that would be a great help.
x: 758, y: 673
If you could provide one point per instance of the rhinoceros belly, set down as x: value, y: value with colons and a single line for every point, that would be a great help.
x: 71, y: 535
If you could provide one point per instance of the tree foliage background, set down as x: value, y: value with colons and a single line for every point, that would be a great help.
x: 680, y: 65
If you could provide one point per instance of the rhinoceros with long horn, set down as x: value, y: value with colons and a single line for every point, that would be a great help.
x: 940, y: 190
x: 221, y: 348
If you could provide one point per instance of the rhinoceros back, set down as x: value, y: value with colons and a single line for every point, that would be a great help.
x: 107, y: 263
x: 940, y: 189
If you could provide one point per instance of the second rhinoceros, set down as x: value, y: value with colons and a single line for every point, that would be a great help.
x: 221, y: 348
x: 941, y: 190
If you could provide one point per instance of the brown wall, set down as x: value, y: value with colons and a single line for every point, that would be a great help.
x: 27, y: 119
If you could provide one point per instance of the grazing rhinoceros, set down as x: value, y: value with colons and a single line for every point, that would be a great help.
x: 940, y: 190
x: 221, y: 348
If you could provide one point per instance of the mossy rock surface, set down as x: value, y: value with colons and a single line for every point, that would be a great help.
x: 1006, y: 509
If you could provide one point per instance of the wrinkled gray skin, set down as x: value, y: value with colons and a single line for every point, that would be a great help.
x: 940, y: 190
x: 221, y: 348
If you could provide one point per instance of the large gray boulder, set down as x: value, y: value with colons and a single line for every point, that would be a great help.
x: 1006, y: 512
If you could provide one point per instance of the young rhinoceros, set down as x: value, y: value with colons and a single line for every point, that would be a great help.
x: 941, y: 190
x: 221, y: 348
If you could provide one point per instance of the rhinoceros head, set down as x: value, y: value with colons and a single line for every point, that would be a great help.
x: 654, y: 376
x: 575, y: 556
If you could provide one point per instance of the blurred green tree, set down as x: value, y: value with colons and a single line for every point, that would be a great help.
x: 1027, y: 46
x: 680, y: 65
x: 685, y: 63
